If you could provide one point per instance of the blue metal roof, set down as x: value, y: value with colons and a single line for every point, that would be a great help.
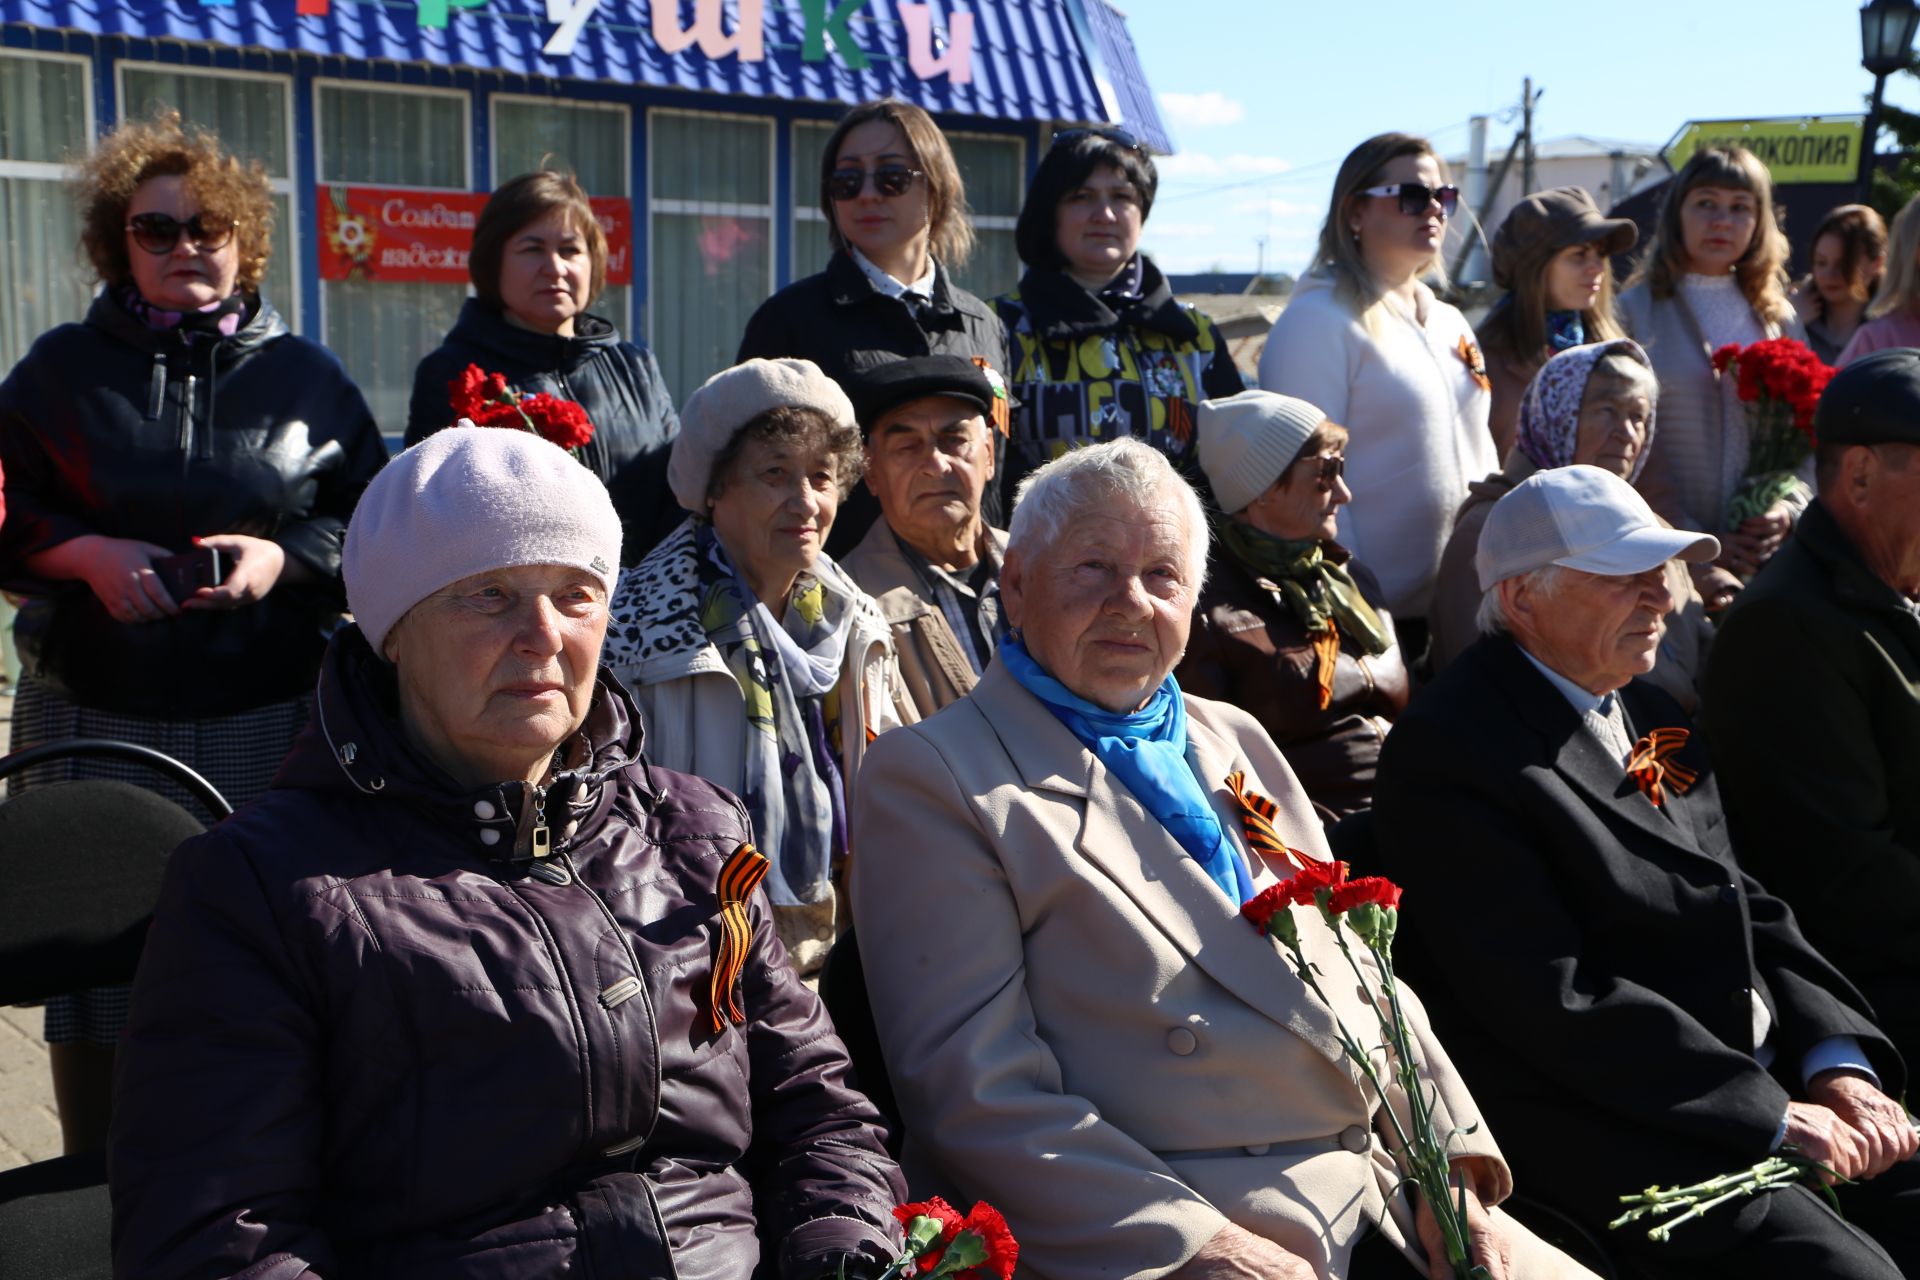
x: 1032, y: 59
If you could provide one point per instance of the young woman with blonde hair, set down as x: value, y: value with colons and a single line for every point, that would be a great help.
x: 1366, y: 340
x: 1893, y: 317
x: 1714, y: 274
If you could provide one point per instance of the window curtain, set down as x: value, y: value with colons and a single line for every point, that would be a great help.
x: 711, y: 209
x: 44, y: 277
x: 588, y: 142
x: 991, y: 170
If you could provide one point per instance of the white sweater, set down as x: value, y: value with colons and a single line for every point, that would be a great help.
x: 1418, y: 422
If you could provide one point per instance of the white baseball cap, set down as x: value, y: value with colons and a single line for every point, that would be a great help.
x: 1580, y: 518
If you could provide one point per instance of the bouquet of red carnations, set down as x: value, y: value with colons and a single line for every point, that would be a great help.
x: 941, y: 1243
x: 1369, y: 908
x: 1779, y: 381
x: 486, y: 400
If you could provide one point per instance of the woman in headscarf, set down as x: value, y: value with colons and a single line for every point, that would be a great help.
x: 1591, y: 405
x: 1291, y: 629
x: 756, y: 661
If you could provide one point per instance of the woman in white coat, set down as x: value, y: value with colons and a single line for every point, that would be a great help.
x: 1366, y: 340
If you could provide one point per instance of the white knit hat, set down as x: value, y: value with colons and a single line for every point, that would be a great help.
x: 732, y: 398
x: 466, y: 500
x: 1247, y: 439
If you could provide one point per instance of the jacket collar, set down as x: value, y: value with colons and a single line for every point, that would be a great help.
x: 1578, y: 756
x: 355, y: 743
x: 848, y: 285
x: 1059, y: 307
x: 881, y: 567
x: 1853, y: 583
x: 1131, y: 848
x: 106, y: 314
x: 489, y: 329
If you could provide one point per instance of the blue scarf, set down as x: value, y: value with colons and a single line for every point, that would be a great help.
x: 1565, y: 329
x: 1147, y: 751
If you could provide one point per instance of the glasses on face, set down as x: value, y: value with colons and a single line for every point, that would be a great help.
x: 1110, y: 133
x: 888, y: 179
x: 157, y: 233
x: 1416, y: 196
x: 1327, y: 469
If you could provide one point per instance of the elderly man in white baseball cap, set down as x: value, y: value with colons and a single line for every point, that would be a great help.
x: 1654, y: 1016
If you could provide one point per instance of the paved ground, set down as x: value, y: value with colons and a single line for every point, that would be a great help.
x: 29, y: 1128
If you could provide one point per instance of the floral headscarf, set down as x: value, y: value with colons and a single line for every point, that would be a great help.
x: 1550, y: 414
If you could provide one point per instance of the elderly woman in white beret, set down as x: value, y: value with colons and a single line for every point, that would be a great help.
x: 475, y: 990
x: 756, y: 661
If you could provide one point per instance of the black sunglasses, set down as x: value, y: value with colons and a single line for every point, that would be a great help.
x: 888, y: 180
x: 159, y: 232
x: 1416, y: 196
x: 1109, y: 133
x: 1332, y: 467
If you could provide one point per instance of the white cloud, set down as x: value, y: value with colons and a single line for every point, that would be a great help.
x: 1198, y: 110
x: 1181, y: 230
x: 1275, y: 207
x: 1199, y: 164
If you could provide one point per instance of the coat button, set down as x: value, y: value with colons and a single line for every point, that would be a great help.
x: 489, y: 836
x: 1258, y: 1148
x: 1355, y: 1138
x: 483, y: 809
x: 1729, y: 894
x: 1182, y: 1041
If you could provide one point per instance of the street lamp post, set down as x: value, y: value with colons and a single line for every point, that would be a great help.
x: 1887, y: 28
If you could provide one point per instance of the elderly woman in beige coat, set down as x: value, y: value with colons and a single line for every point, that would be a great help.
x: 756, y: 662
x: 1079, y: 1025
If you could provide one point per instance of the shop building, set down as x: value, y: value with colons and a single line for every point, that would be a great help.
x: 696, y: 124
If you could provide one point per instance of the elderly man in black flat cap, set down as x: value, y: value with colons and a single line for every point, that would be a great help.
x: 931, y: 560
x: 1811, y: 702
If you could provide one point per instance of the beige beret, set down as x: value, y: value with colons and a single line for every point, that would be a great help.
x: 732, y: 398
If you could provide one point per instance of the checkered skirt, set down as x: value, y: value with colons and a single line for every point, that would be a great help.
x: 238, y: 754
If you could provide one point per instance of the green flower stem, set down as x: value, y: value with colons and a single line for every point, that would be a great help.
x: 1695, y: 1200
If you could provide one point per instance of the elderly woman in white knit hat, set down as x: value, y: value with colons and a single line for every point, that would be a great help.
x: 757, y: 662
x: 1290, y: 628
x: 474, y: 989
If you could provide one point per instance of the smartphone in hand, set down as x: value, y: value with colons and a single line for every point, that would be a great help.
x: 187, y: 572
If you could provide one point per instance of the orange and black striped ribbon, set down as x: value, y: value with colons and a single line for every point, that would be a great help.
x: 1001, y: 412
x: 1256, y: 822
x: 1179, y: 419
x: 1651, y: 764
x: 739, y: 877
x: 1326, y: 661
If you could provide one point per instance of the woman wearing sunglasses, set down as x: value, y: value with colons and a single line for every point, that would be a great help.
x: 896, y: 215
x: 1714, y: 273
x: 539, y: 261
x: 1291, y: 628
x: 1100, y: 346
x: 1366, y: 340
x: 179, y: 472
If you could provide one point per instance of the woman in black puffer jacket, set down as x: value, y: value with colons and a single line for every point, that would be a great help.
x: 181, y: 412
x: 539, y: 260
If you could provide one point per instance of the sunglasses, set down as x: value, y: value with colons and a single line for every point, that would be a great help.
x: 888, y: 180
x: 159, y: 232
x: 1108, y: 133
x: 1332, y: 467
x: 1416, y: 196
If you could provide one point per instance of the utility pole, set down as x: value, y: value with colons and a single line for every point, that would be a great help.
x: 1526, y: 132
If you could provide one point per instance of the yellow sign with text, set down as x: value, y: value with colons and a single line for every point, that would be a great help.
x: 1795, y: 148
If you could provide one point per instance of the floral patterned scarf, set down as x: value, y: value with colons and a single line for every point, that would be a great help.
x: 789, y: 674
x: 1550, y: 413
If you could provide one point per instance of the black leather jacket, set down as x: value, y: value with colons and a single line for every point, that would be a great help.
x: 617, y: 382
x: 367, y: 1041
x: 111, y: 427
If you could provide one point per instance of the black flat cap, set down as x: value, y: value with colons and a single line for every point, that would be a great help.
x: 1874, y: 400
x: 885, y: 387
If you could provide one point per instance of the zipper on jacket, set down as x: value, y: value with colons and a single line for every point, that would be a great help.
x: 186, y: 419
x: 157, y: 388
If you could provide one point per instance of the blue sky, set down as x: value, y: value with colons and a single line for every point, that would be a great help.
x: 1273, y: 93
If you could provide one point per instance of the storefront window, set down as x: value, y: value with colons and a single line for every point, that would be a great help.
x: 46, y: 115
x: 589, y: 141
x: 710, y: 207
x: 390, y: 138
x: 252, y: 116
x: 994, y: 171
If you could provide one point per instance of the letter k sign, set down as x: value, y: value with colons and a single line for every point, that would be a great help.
x: 821, y: 24
x: 571, y: 15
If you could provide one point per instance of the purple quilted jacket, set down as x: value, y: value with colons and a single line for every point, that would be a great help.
x: 372, y: 1037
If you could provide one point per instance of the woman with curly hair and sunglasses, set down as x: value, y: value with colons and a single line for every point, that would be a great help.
x: 179, y: 472
x: 1100, y: 346
x: 1365, y: 339
x: 896, y: 213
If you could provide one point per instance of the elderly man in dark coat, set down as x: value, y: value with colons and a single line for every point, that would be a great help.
x: 1812, y: 708
x: 1634, y: 1008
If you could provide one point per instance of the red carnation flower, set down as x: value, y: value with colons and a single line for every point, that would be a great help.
x: 1002, y: 1250
x: 939, y: 1210
x: 466, y: 393
x: 1269, y: 902
x: 1315, y: 876
x: 1378, y: 890
x: 1725, y: 356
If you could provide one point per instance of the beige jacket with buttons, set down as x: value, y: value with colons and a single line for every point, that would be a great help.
x: 1082, y: 1030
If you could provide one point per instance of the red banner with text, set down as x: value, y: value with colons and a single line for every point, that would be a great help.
x: 379, y: 233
